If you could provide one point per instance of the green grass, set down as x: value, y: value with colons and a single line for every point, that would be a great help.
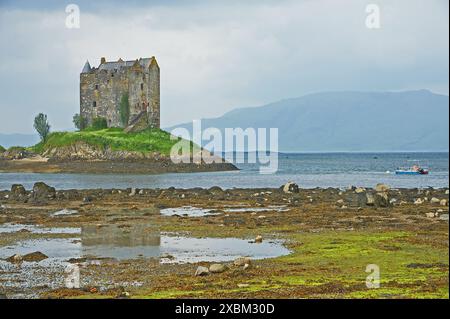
x: 150, y: 140
x: 335, y: 257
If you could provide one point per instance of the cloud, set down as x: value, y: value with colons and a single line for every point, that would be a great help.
x: 218, y: 55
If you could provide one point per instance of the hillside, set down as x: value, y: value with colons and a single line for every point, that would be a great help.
x: 151, y: 140
x: 103, y: 151
x: 350, y: 121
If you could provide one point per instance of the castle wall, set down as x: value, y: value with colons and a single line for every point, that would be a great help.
x: 154, y: 94
x: 106, y: 88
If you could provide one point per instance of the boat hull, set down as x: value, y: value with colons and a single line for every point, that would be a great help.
x: 410, y: 173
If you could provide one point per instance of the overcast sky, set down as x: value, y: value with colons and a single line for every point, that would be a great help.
x: 217, y: 55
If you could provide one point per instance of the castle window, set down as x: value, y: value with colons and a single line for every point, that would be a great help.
x: 94, y: 104
x: 142, y: 86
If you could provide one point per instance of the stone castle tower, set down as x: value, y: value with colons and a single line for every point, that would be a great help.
x: 102, y: 89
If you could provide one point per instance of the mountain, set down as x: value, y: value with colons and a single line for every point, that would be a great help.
x: 349, y: 121
x: 8, y: 140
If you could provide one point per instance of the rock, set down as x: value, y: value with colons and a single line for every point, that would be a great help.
x: 360, y: 190
x: 381, y: 188
x: 443, y: 202
x: 88, y: 199
x: 133, y: 192
x: 167, y: 256
x: 17, y: 191
x: 217, y: 268
x: 444, y: 217
x: 17, y: 258
x: 340, y: 202
x: 201, y: 271
x: 258, y: 239
x: 241, y: 261
x: 36, y: 256
x: 246, y: 266
x: 435, y: 200
x: 370, y: 199
x: 215, y: 189
x: 418, y: 201
x: 430, y: 215
x: 382, y: 200
x: 447, y: 192
x: 43, y: 191
x: 141, y: 192
x: 290, y: 187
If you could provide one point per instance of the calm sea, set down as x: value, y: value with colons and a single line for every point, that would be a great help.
x: 308, y: 170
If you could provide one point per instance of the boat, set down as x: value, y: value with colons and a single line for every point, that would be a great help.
x: 416, y: 169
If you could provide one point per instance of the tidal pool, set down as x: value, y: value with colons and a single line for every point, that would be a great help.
x: 188, y: 211
x: 123, y: 242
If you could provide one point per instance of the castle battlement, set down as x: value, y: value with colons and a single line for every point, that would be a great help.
x: 103, y: 88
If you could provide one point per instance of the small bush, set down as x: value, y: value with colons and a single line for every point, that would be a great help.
x: 2, y: 149
x: 124, y: 110
x: 79, y: 122
x: 99, y: 123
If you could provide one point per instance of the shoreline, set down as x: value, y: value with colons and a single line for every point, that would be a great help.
x: 108, y: 167
x: 331, y: 235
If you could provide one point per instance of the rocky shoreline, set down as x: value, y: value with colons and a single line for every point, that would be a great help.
x: 331, y: 236
x: 83, y: 158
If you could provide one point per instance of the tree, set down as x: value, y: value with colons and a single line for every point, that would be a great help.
x: 41, y: 126
x: 79, y: 122
x: 124, y: 110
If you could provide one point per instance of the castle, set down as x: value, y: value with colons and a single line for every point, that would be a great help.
x: 125, y: 93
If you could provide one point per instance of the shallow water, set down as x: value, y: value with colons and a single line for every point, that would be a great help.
x: 137, y: 241
x: 308, y: 170
x: 188, y: 211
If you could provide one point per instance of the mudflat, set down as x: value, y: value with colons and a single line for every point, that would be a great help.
x: 215, y: 243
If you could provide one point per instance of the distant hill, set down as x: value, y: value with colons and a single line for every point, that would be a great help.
x: 8, y: 140
x: 350, y: 121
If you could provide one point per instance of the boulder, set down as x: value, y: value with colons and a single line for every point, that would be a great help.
x: 381, y: 188
x: 418, y: 201
x: 17, y: 258
x: 241, y: 261
x: 443, y: 202
x: 435, y: 200
x: 36, y: 256
x: 18, y: 191
x: 382, y: 200
x: 370, y: 199
x: 217, y: 268
x: 360, y: 190
x: 258, y: 239
x: 290, y: 187
x: 201, y: 271
x: 43, y: 191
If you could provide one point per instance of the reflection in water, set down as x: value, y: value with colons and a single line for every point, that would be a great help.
x: 139, y: 240
x: 120, y: 241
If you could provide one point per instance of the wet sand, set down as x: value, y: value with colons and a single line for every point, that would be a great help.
x: 139, y: 243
